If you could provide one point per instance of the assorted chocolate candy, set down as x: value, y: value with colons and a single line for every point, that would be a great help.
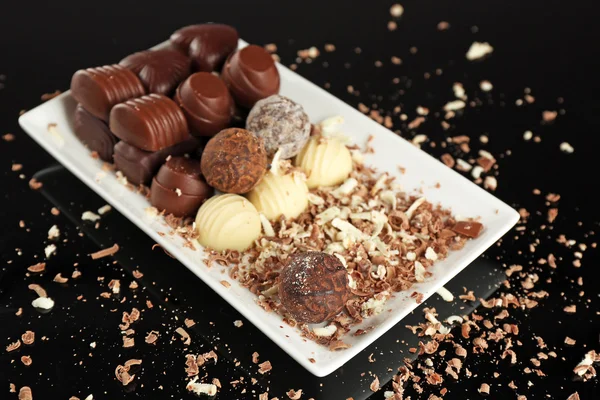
x: 234, y: 161
x: 282, y: 123
x: 160, y: 71
x: 206, y: 103
x: 179, y: 187
x: 94, y: 133
x: 251, y: 75
x: 139, y: 166
x: 99, y: 89
x: 313, y: 286
x: 149, y: 123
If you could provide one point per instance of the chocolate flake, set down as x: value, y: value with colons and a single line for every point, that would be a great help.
x: 39, y: 267
x: 105, y: 252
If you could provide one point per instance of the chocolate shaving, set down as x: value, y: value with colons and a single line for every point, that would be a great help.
x: 60, y: 279
x: 187, y: 340
x: 28, y: 337
x: 39, y: 267
x: 38, y: 289
x: 25, y: 393
x: 26, y: 360
x: 264, y: 367
x: 13, y: 346
x: 105, y: 252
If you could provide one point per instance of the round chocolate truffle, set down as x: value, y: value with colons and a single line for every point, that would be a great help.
x: 234, y: 161
x: 313, y: 286
x: 94, y: 133
x: 208, y: 45
x: 206, y: 103
x: 159, y: 70
x: 99, y: 89
x: 282, y: 123
x: 251, y: 75
x: 179, y: 187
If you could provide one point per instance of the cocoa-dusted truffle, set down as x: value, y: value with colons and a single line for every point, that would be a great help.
x: 282, y: 123
x: 251, y: 75
x: 313, y: 286
x: 159, y: 70
x: 206, y: 103
x: 207, y: 44
x: 234, y: 161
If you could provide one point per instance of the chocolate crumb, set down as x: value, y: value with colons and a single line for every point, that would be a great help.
x: 105, y: 252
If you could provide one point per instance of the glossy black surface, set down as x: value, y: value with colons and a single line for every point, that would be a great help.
x: 548, y: 46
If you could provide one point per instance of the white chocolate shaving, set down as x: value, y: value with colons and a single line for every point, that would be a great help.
x: 45, y: 303
x: 454, y: 318
x: 430, y: 254
x: 345, y: 188
x: 49, y: 250
x: 419, y: 272
x: 326, y: 331
x: 342, y: 259
x: 201, y: 388
x: 316, y: 200
x: 445, y: 294
x: 349, y: 229
x: 454, y: 105
x: 104, y: 209
x: 413, y: 207
x: 388, y: 197
x: 266, y: 225
x: 55, y: 134
x: 53, y: 232
x: 476, y: 171
x: 327, y: 215
x: 479, y: 50
x: 379, y: 184
x: 275, y: 164
x: 89, y: 216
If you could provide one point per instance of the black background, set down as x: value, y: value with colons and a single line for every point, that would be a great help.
x: 548, y: 46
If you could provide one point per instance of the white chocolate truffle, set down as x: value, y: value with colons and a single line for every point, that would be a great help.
x: 326, y: 161
x: 227, y: 222
x: 277, y: 195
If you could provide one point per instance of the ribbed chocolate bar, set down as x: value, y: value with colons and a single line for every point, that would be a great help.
x: 149, y: 123
x: 99, y: 89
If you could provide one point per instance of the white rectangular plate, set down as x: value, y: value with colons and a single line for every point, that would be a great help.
x: 422, y: 171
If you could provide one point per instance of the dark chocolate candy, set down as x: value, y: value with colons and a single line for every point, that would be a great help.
x: 99, y: 89
x: 159, y: 70
x: 94, y: 133
x: 313, y: 286
x: 234, y: 161
x: 251, y: 75
x: 150, y: 123
x: 206, y: 103
x: 208, y: 45
x: 140, y: 166
x: 179, y: 187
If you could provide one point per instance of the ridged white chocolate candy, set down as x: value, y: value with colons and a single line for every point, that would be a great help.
x: 278, y: 194
x: 325, y: 160
x: 228, y: 222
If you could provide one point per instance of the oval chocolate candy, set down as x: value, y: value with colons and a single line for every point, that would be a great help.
x: 139, y: 166
x: 99, y: 89
x: 94, y: 133
x: 150, y: 122
x: 183, y: 173
x: 159, y: 70
x: 208, y: 45
x: 251, y: 75
x: 179, y: 187
x: 206, y: 103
